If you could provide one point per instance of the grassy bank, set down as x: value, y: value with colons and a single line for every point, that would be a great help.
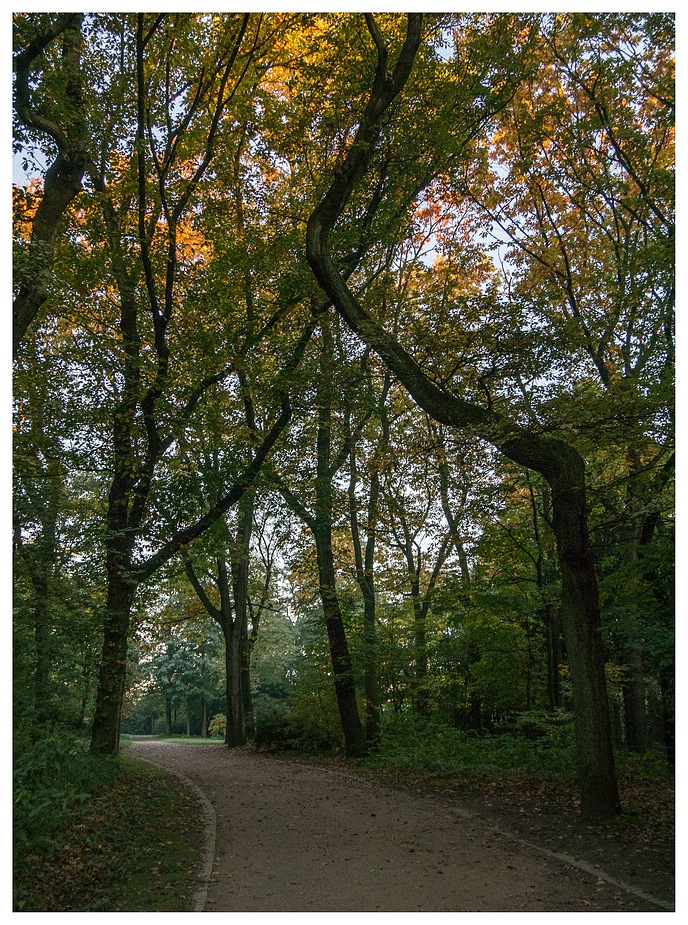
x: 101, y: 835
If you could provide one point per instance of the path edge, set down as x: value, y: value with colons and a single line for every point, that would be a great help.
x: 210, y: 836
x: 559, y: 856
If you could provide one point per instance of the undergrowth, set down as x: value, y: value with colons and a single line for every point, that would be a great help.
x: 53, y: 778
x: 547, y: 751
x: 97, y: 834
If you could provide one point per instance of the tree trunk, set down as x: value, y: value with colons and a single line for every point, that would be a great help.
x: 240, y: 589
x: 246, y: 698
x: 235, y: 733
x: 113, y: 665
x: 666, y: 683
x: 582, y: 631
x: 371, y: 684
x: 235, y: 730
x: 633, y: 691
x: 41, y: 690
x: 342, y: 667
x: 365, y: 576
x: 421, y: 660
x: 345, y: 688
x: 555, y: 657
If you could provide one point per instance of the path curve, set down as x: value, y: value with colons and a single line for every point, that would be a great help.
x: 205, y: 871
x: 300, y: 838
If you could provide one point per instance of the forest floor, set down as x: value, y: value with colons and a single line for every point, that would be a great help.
x: 295, y: 836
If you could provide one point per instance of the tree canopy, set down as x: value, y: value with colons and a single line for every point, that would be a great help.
x: 355, y: 330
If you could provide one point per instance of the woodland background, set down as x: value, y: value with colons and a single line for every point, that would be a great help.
x: 343, y: 384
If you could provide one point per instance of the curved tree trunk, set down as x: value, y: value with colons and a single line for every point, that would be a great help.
x: 560, y: 464
x: 64, y: 176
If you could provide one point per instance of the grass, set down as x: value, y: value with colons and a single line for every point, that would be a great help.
x: 130, y: 841
x: 191, y: 740
x: 125, y: 740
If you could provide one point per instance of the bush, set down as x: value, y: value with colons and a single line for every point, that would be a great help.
x: 299, y: 724
x: 434, y: 746
x: 217, y: 727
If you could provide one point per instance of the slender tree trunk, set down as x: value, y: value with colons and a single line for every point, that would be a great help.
x: 365, y: 576
x: 633, y: 684
x: 246, y: 697
x: 85, y: 696
x: 342, y: 666
x: 41, y: 677
x: 666, y: 683
x: 345, y: 688
x: 240, y: 589
x: 40, y: 559
x: 633, y: 692
x: 232, y: 621
x: 235, y: 731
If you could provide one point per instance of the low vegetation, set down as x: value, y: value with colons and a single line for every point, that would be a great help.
x: 101, y: 835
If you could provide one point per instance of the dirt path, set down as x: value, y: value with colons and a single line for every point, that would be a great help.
x: 297, y: 838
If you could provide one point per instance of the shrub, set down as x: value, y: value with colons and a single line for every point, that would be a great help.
x: 434, y: 746
x: 217, y: 727
x: 302, y: 724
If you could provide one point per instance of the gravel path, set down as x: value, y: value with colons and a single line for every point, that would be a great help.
x: 298, y: 838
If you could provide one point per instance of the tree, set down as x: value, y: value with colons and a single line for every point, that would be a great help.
x: 558, y: 462
x: 423, y: 263
x: 364, y: 557
x: 320, y: 521
x: 54, y: 109
x: 232, y: 592
x: 580, y: 184
x: 133, y: 233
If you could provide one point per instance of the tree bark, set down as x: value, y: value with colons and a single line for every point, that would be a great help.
x: 365, y: 576
x: 555, y: 656
x: 113, y: 665
x: 240, y: 590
